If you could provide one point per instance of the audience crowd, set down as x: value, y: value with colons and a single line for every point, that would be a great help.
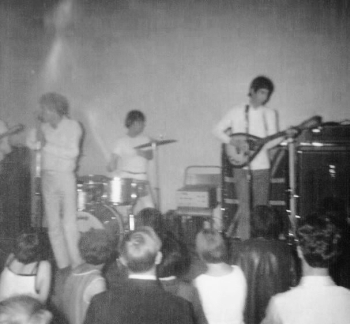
x: 153, y: 276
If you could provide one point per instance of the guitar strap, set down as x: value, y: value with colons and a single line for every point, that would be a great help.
x: 265, y: 123
x: 247, y: 119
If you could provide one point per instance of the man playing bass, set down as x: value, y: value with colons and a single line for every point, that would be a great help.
x: 253, y: 180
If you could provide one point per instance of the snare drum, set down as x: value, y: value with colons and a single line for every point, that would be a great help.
x: 92, y: 189
x: 101, y: 216
x: 122, y: 191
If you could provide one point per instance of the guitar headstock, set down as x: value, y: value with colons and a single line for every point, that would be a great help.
x: 312, y: 122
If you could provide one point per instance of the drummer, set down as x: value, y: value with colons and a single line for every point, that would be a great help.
x: 128, y: 162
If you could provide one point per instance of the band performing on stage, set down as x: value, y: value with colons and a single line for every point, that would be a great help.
x: 174, y: 162
x: 114, y: 222
x: 74, y: 204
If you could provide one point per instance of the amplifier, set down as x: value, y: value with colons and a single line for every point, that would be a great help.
x: 333, y: 134
x: 197, y: 196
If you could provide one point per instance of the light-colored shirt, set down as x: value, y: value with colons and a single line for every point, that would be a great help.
x: 223, y: 298
x: 5, y: 148
x: 130, y: 164
x: 61, y: 149
x: 262, y: 123
x: 316, y: 300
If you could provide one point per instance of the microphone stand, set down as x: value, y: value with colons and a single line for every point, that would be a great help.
x: 37, y: 199
x: 156, y: 166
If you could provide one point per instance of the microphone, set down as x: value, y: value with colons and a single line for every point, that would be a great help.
x: 39, y: 119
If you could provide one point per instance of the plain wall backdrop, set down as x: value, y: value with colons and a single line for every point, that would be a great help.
x: 183, y: 63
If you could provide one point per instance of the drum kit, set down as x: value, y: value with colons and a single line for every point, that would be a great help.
x: 99, y: 198
x: 98, y: 202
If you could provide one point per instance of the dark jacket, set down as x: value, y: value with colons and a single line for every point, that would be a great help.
x: 135, y: 301
x: 269, y: 267
x: 185, y: 290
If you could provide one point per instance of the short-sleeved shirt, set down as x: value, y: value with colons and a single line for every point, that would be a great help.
x: 130, y: 164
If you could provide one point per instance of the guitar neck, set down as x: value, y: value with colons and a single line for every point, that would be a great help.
x: 274, y: 136
x: 309, y: 123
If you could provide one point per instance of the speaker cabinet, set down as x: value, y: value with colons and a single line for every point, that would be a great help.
x: 322, y: 173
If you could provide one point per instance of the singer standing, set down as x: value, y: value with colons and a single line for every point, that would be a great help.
x: 58, y: 138
x: 251, y: 182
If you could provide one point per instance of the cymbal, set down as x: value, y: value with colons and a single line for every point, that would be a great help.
x: 157, y: 143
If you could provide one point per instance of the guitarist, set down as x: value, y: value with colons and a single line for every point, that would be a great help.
x: 251, y: 182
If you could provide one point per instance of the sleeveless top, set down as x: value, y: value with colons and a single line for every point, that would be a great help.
x: 74, y: 305
x: 12, y: 284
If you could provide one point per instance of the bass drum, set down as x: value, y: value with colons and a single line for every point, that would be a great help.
x: 101, y: 216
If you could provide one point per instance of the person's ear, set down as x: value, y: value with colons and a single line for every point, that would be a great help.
x: 159, y: 258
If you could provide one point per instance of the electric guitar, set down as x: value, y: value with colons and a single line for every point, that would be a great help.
x: 243, y: 147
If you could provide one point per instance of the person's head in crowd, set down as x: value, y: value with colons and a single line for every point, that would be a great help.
x: 265, y: 223
x: 151, y: 217
x: 23, y: 309
x: 336, y: 209
x: 28, y: 248
x: 95, y: 246
x: 318, y: 240
x: 173, y: 221
x: 176, y: 258
x: 140, y: 250
x: 211, y: 246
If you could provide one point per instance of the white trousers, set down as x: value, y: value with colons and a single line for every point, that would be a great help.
x: 59, y: 196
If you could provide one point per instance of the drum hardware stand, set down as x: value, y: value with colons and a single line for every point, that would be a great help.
x: 154, y: 145
x: 156, y: 165
x: 131, y: 218
x: 131, y: 215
